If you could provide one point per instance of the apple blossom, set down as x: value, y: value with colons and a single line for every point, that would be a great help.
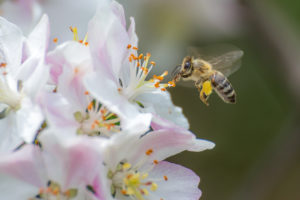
x: 120, y: 80
x: 135, y: 168
x: 58, y: 171
x: 23, y: 75
x: 71, y: 107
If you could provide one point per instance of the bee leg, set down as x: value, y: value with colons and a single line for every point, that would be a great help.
x: 205, y: 90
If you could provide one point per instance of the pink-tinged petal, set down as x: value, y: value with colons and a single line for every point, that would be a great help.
x: 159, y: 124
x: 108, y: 41
x: 181, y: 183
x: 25, y: 164
x: 106, y: 92
x: 69, y: 63
x: 161, y: 143
x: 59, y: 112
x: 119, y: 12
x: 160, y: 103
x: 11, y: 40
x: 15, y: 189
x: 72, y: 162
x: 101, y: 187
x: 168, y: 142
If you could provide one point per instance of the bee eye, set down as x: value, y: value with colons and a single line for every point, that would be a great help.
x: 187, y: 65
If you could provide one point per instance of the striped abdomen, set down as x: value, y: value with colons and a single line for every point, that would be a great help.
x: 223, y: 87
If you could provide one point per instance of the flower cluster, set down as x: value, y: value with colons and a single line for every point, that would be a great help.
x: 85, y: 120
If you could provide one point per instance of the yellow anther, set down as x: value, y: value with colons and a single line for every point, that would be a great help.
x: 156, y: 85
x: 141, y: 56
x: 154, y: 187
x: 135, y: 48
x: 171, y: 83
x: 130, y: 191
x: 145, y: 191
x: 90, y: 106
x: 155, y: 162
x: 128, y: 46
x: 76, y: 70
x: 126, y: 166
x: 165, y: 178
x: 144, y: 176
x: 75, y: 33
x: 149, y: 152
x: 153, y: 63
x: 165, y: 73
x: 160, y: 78
x: 55, y: 191
x: 3, y: 65
x: 163, y: 89
x: 55, y: 40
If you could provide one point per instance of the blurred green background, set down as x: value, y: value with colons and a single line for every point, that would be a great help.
x: 257, y: 153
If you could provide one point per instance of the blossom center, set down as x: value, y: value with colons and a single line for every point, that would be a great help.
x: 54, y: 192
x: 139, y: 69
x: 96, y: 120
x: 128, y: 180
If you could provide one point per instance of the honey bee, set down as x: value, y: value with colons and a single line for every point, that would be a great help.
x: 210, y: 74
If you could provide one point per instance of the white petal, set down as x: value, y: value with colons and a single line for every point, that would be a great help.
x: 38, y: 39
x: 182, y: 183
x: 10, y: 44
x: 28, y: 120
x: 9, y: 138
x: 161, y: 104
x: 14, y: 189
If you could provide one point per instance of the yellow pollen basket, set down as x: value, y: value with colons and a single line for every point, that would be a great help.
x: 205, y: 91
x: 207, y: 88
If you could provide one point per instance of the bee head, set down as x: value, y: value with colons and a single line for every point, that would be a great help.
x: 186, y: 67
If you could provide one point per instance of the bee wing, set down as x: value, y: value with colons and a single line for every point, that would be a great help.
x: 223, y: 57
x: 227, y: 63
